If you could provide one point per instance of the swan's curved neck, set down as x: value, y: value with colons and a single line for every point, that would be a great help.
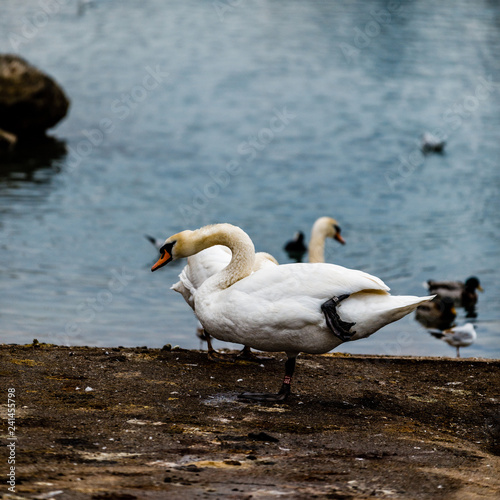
x: 317, y: 244
x: 240, y: 244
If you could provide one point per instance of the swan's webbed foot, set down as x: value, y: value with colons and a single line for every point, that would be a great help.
x: 267, y: 398
x: 247, y: 355
x: 219, y: 356
x: 283, y: 393
x: 212, y: 354
x: 340, y: 329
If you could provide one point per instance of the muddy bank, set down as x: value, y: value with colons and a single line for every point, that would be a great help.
x: 124, y: 423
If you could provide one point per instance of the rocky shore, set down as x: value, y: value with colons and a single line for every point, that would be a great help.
x: 139, y: 423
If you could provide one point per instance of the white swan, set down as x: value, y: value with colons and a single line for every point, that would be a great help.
x: 295, y: 308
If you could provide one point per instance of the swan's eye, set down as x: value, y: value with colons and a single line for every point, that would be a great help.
x: 337, y: 228
x: 167, y: 248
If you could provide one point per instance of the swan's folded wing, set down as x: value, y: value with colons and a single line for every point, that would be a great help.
x: 206, y: 263
x: 317, y: 281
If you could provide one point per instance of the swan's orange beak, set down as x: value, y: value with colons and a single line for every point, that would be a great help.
x: 339, y: 238
x: 164, y: 259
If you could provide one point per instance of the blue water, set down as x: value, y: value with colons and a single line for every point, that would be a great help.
x: 264, y: 114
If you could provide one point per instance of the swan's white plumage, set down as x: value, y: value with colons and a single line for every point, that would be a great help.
x: 279, y: 309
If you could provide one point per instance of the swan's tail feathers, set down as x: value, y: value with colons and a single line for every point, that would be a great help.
x: 372, y: 311
x: 413, y: 302
x: 405, y: 304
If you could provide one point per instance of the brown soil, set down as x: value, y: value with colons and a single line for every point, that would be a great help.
x: 160, y: 424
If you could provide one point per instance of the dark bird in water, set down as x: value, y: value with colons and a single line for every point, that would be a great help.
x: 296, y: 248
x: 431, y: 144
x: 458, y: 336
x: 437, y: 313
x: 156, y: 242
x: 463, y: 294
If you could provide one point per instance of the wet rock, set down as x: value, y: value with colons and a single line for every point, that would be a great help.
x: 190, y: 468
x: 262, y: 436
x: 114, y: 496
x: 7, y: 141
x: 31, y: 102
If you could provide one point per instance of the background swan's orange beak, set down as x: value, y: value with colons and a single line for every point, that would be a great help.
x: 164, y: 259
x: 339, y: 238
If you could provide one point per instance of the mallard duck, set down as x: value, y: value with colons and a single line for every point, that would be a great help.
x: 437, y: 313
x: 458, y: 336
x: 463, y: 294
x: 294, y: 308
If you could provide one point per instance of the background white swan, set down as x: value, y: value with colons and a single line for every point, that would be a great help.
x: 295, y: 308
x: 324, y: 227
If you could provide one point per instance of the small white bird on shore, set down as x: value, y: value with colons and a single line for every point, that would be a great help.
x: 458, y: 336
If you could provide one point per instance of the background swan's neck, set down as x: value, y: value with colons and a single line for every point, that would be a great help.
x: 317, y: 244
x: 241, y: 246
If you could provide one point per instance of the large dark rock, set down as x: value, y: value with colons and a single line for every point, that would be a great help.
x: 30, y: 101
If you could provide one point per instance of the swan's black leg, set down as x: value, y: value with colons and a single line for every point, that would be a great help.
x: 340, y: 329
x: 283, y: 393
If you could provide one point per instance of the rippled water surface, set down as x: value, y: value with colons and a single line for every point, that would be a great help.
x: 313, y: 107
